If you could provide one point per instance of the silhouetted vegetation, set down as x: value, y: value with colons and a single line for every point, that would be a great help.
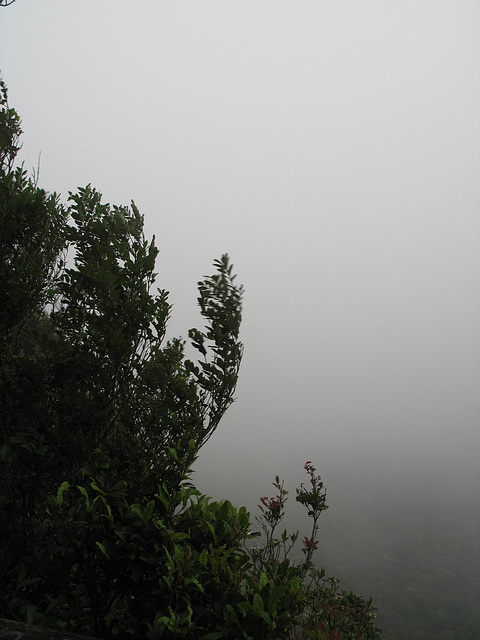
x: 102, y: 531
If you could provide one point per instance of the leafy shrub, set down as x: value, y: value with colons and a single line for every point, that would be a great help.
x: 296, y: 600
x: 102, y: 532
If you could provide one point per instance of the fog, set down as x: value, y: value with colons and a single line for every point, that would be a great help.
x: 333, y: 150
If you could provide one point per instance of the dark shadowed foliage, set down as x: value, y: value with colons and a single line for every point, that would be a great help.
x: 102, y: 531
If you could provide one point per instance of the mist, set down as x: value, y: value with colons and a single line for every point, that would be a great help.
x: 333, y: 150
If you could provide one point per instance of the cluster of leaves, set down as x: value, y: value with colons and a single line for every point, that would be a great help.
x: 167, y: 567
x: 102, y: 532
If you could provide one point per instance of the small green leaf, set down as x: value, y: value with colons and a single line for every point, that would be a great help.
x: 203, y: 558
x: 293, y: 585
x: 163, y: 497
x: 95, y: 487
x: 263, y: 581
x: 243, y: 517
x: 257, y: 603
x: 61, y: 490
x: 84, y: 493
x: 224, y: 510
x: 5, y: 452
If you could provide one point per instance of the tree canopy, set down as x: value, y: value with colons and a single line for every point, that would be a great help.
x: 87, y: 379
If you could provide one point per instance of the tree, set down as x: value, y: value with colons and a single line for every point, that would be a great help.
x: 83, y: 340
x: 102, y: 531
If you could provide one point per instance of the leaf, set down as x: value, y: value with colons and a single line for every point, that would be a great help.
x: 245, y: 607
x: 102, y: 548
x: 263, y: 581
x: 96, y: 488
x: 196, y: 583
x: 243, y: 517
x: 224, y: 510
x: 266, y: 617
x: 257, y: 603
x: 276, y: 593
x: 84, y: 493
x: 61, y: 490
x: 163, y: 497
x: 5, y: 452
x: 293, y: 585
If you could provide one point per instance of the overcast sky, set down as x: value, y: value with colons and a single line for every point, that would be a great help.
x: 333, y: 150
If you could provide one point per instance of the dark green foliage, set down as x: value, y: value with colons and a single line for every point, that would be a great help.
x: 101, y: 531
x: 166, y: 567
x: 91, y: 395
x: 33, y: 227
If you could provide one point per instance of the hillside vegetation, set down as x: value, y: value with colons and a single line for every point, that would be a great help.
x: 103, y: 532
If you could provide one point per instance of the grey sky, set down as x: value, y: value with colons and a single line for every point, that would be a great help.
x: 333, y: 150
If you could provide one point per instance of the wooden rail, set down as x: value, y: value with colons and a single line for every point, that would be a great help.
x: 12, y: 630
